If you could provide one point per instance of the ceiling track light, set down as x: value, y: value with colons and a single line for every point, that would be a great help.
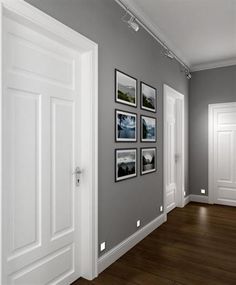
x: 132, y: 23
x: 187, y: 73
x: 169, y: 54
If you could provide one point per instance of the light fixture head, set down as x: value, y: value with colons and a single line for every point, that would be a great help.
x: 133, y: 24
x: 169, y: 54
x: 188, y: 74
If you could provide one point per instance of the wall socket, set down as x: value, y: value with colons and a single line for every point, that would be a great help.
x: 161, y: 208
x: 102, y: 246
x: 138, y: 223
x: 203, y: 191
x: 184, y: 193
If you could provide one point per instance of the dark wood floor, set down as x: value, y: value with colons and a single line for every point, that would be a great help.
x: 197, y: 245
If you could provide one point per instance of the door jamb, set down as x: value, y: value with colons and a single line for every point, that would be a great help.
x: 28, y: 14
x: 180, y: 125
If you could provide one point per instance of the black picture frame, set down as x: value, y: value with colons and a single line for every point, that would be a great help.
x: 122, y: 177
x: 123, y: 139
x: 120, y: 75
x: 148, y: 171
x: 151, y: 89
x: 148, y: 118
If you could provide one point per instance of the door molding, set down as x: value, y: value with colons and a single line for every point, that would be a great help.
x: 180, y: 141
x: 29, y: 15
x: 211, y: 109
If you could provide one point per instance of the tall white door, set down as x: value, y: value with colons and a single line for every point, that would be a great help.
x: 223, y: 148
x: 40, y: 152
x: 171, y: 185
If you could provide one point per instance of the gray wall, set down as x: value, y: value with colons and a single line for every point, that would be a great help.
x: 206, y: 87
x: 138, y: 54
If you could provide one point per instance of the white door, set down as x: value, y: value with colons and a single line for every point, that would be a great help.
x: 40, y: 153
x: 223, y: 153
x: 171, y: 153
x: 173, y: 148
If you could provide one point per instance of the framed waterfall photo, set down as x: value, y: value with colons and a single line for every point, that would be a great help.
x: 148, y: 97
x: 148, y: 129
x: 148, y: 160
x: 125, y: 89
x: 126, y: 126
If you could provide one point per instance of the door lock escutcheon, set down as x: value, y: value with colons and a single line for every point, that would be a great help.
x: 77, y: 173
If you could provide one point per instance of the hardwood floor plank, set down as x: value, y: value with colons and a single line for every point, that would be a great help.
x: 196, y: 246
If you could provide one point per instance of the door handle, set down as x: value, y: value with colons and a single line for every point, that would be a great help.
x: 77, y: 173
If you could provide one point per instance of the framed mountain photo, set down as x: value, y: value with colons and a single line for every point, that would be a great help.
x: 125, y: 164
x: 125, y: 89
x: 148, y: 97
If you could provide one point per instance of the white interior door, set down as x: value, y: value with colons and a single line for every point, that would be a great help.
x: 173, y: 149
x: 40, y: 152
x: 223, y: 149
x: 171, y: 185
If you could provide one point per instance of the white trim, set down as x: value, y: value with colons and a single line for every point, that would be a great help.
x: 211, y: 110
x: 153, y: 30
x: 180, y: 194
x: 199, y: 198
x: 215, y: 64
x: 30, y: 15
x: 111, y: 256
x: 186, y: 200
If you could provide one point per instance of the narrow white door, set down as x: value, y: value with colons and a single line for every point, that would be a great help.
x: 171, y: 186
x: 223, y: 150
x: 40, y: 153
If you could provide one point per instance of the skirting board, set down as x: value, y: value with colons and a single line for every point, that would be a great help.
x: 186, y: 200
x: 111, y: 256
x: 199, y: 198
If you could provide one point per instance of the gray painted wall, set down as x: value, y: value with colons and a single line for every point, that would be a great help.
x: 138, y: 54
x: 206, y: 87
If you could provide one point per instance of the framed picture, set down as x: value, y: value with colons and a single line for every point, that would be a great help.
x: 148, y: 160
x: 148, y: 97
x: 125, y: 89
x: 125, y: 164
x: 148, y: 129
x: 126, y: 126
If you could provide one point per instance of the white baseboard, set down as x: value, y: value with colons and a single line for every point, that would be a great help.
x: 199, y: 198
x: 111, y: 256
x: 186, y: 200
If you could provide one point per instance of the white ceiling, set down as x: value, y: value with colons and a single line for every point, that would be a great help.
x: 202, y: 33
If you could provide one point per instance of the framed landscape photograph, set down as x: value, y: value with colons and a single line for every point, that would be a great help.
x: 148, y: 160
x: 126, y: 126
x: 125, y: 164
x: 148, y: 129
x: 148, y: 97
x: 125, y: 89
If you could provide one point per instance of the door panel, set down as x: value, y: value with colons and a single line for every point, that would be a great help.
x: 171, y: 151
x: 40, y: 153
x: 224, y: 153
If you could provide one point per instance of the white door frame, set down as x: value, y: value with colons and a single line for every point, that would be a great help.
x: 180, y: 141
x: 211, y: 124
x: 29, y: 15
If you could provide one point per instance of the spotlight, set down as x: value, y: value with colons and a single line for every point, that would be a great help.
x: 168, y: 54
x: 132, y: 24
x: 131, y: 21
x: 189, y: 76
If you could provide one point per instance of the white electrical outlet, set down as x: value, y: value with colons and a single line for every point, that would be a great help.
x: 102, y: 246
x: 203, y: 191
x: 184, y: 193
x: 138, y: 223
x: 161, y: 208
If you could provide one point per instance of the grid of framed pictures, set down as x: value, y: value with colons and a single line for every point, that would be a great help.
x: 126, y: 127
